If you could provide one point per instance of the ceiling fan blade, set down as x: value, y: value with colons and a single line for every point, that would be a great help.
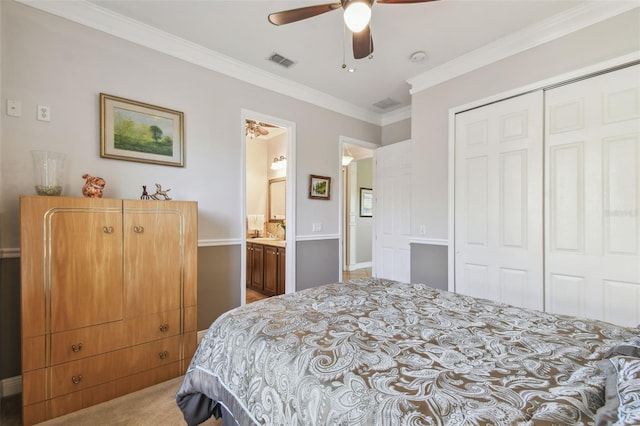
x: 294, y: 15
x: 403, y: 1
x: 362, y: 43
x: 262, y: 131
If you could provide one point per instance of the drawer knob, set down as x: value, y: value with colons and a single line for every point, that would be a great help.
x: 163, y: 354
x: 107, y: 229
x: 76, y: 348
x: 76, y: 379
x: 138, y: 229
x: 164, y: 328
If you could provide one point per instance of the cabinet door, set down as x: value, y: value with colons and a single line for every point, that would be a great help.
x: 257, y: 267
x: 153, y: 257
x: 249, y: 265
x: 270, y: 270
x: 282, y: 270
x: 83, y: 265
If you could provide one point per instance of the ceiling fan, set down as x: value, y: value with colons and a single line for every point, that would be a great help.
x: 357, y: 14
x: 256, y: 128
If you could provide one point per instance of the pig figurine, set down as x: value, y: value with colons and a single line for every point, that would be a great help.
x: 93, y: 186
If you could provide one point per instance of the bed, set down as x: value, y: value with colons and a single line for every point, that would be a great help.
x: 379, y: 352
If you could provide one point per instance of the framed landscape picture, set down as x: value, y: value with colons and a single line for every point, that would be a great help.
x: 135, y: 131
x: 319, y: 187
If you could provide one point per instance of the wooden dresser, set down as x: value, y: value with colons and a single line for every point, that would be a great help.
x: 108, y: 299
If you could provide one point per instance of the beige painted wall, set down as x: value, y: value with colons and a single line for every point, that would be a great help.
x: 430, y: 108
x: 50, y: 61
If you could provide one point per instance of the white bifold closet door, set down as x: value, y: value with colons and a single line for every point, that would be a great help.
x: 498, y: 201
x: 592, y: 197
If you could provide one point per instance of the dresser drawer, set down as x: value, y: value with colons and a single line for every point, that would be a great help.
x: 152, y: 327
x: 92, y: 371
x: 85, y: 342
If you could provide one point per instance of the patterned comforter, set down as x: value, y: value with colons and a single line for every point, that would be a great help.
x: 379, y: 352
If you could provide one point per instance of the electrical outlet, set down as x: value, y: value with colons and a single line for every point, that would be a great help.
x: 14, y: 108
x: 44, y: 113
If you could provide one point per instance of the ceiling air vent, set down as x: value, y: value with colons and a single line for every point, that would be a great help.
x: 281, y: 60
x: 386, y: 103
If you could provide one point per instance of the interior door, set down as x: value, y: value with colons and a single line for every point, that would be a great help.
x: 593, y: 198
x: 498, y: 201
x: 392, y: 211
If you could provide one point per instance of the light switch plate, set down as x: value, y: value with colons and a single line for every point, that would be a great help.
x: 14, y: 108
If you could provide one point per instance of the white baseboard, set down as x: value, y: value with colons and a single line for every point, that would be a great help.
x: 356, y: 266
x: 11, y: 386
x: 201, y: 334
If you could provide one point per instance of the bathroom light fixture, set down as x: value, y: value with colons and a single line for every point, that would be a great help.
x: 357, y: 14
x: 279, y: 163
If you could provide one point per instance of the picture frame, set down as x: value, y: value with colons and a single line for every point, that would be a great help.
x: 366, y: 202
x: 136, y: 131
x: 319, y: 187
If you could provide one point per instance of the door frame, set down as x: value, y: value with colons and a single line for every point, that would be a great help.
x: 290, y: 239
x: 341, y: 194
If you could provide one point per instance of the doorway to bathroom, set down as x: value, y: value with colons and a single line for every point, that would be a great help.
x: 268, y: 243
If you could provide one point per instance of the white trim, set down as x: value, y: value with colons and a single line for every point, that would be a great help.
x: 316, y: 237
x: 429, y: 241
x: 540, y: 85
x: 396, y: 115
x: 219, y: 242
x: 357, y: 266
x: 11, y: 386
x: 101, y: 19
x: 290, y: 264
x: 201, y: 334
x: 554, y: 27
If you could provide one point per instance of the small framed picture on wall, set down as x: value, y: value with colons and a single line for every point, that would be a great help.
x: 366, y: 202
x: 319, y: 187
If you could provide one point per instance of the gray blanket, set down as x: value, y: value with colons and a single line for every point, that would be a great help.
x: 379, y: 352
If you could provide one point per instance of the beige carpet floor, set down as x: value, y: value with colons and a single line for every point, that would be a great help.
x: 155, y: 405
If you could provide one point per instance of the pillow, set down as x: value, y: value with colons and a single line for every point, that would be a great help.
x: 629, y: 348
x: 622, y: 391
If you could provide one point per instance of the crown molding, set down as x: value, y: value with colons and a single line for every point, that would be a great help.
x: 396, y: 115
x: 101, y: 19
x: 557, y: 26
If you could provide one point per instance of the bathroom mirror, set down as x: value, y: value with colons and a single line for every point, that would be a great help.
x: 277, y: 199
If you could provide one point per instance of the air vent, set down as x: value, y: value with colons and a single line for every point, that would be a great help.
x: 386, y: 103
x: 281, y: 60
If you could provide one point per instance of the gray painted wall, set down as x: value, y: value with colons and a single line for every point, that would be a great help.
x: 314, y: 260
x: 396, y: 132
x: 429, y: 265
x: 218, y: 282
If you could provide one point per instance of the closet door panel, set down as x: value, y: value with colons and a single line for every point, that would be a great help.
x: 592, y: 202
x: 498, y: 193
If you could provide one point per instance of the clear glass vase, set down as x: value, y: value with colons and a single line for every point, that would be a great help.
x: 48, y: 172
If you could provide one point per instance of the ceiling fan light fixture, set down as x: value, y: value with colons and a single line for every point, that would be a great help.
x: 357, y: 15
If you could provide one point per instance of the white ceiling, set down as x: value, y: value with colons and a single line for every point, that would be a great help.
x: 446, y: 30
